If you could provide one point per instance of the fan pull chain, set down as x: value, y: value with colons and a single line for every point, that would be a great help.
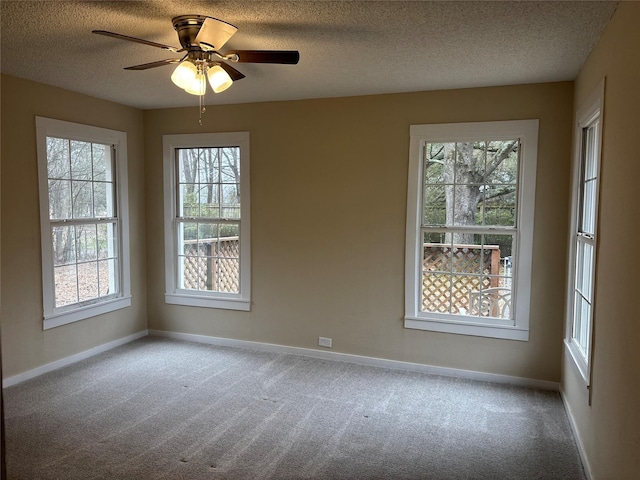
x: 202, y: 109
x: 202, y: 70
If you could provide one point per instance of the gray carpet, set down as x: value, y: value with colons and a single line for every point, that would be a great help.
x: 165, y: 409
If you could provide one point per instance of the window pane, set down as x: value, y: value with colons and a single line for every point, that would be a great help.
x: 469, y: 167
x: 499, y: 205
x: 188, y: 237
x: 108, y: 277
x: 188, y: 165
x: 207, y: 239
x: 107, y: 240
x: 436, y: 256
x: 587, y: 278
x: 230, y: 200
x: 82, y: 195
x: 502, y: 162
x: 208, y: 165
x: 434, y: 164
x: 436, y: 293
x: 589, y: 207
x: 582, y: 312
x: 58, y: 165
x: 499, y: 250
x: 207, y: 195
x: 187, y: 272
x: 64, y: 247
x: 81, y: 166
x: 465, y: 205
x: 493, y: 299
x: 591, y: 152
x: 66, y: 285
x: 59, y: 199
x: 434, y: 205
x: 230, y: 164
x: 228, y: 245
x: 210, y: 201
x: 584, y: 268
x: 227, y: 275
x: 585, y: 325
x: 87, y: 281
x: 103, y: 199
x: 461, y: 292
x: 102, y: 169
x: 86, y: 242
x: 187, y: 201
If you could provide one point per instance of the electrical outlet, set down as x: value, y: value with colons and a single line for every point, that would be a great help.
x: 324, y: 342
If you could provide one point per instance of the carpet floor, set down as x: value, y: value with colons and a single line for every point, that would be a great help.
x: 165, y: 409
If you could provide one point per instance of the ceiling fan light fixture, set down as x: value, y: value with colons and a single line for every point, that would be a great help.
x: 184, y: 75
x: 219, y: 79
x: 198, y: 86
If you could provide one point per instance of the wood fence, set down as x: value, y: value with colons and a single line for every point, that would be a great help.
x: 453, y: 273
x: 212, y: 264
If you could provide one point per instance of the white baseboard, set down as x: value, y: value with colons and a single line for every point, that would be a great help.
x: 361, y: 360
x: 63, y: 362
x: 574, y: 428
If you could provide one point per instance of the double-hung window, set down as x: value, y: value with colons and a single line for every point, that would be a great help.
x: 207, y: 228
x: 82, y: 173
x: 583, y: 232
x: 470, y: 208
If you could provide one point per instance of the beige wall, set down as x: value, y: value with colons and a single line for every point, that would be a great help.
x: 24, y: 344
x: 610, y: 428
x: 328, y: 192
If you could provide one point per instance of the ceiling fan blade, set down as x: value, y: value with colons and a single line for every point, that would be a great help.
x: 290, y: 57
x: 160, y: 63
x: 214, y: 33
x: 137, y: 40
x: 233, y: 73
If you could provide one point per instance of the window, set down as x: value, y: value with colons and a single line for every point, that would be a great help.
x: 583, y: 232
x: 470, y: 208
x: 207, y: 229
x: 82, y: 172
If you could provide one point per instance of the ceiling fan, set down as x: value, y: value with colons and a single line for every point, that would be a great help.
x: 202, y: 37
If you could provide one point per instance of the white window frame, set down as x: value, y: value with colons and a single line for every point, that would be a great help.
x: 199, y: 298
x: 527, y: 132
x: 56, y: 316
x: 589, y: 114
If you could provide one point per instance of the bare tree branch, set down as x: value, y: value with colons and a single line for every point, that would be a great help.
x: 505, y: 151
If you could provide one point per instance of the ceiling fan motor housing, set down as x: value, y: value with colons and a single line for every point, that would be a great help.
x: 188, y: 27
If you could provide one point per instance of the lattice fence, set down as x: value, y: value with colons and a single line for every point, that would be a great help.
x: 212, y: 264
x: 450, y: 273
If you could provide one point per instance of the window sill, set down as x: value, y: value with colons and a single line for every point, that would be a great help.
x: 577, y: 361
x: 191, y: 300
x: 462, y: 328
x: 88, y: 311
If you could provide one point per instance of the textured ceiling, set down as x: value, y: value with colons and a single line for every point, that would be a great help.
x: 346, y: 48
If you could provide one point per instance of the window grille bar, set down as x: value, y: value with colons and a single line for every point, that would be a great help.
x: 82, y: 221
x: 227, y: 221
x: 470, y: 229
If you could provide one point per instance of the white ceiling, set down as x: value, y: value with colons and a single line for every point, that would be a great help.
x: 346, y: 47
